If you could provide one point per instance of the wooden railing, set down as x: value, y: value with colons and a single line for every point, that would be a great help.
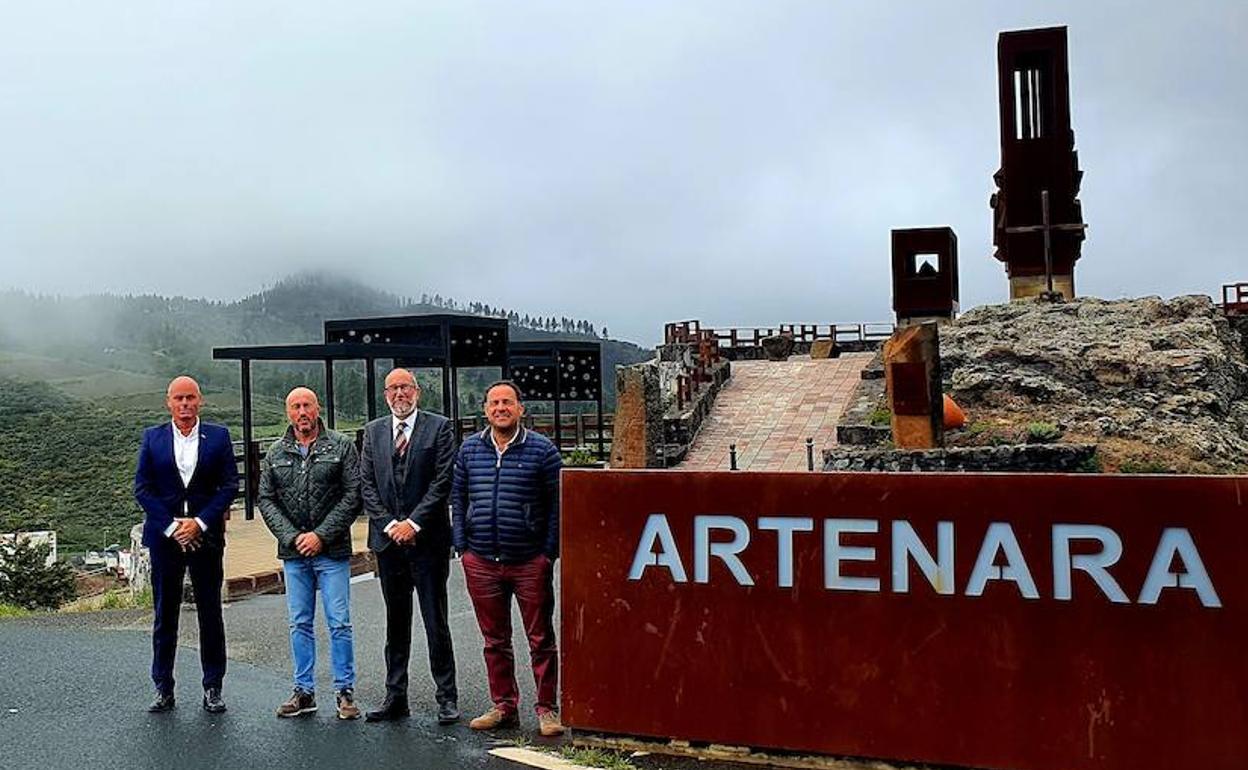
x: 578, y: 431
x: 1235, y: 299
x: 752, y: 336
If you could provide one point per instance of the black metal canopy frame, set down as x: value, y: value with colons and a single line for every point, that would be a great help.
x: 449, y: 342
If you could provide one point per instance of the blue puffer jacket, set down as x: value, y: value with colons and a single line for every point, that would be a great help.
x: 505, y: 508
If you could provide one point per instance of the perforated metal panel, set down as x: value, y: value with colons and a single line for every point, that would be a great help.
x: 477, y: 346
x: 536, y: 381
x: 377, y: 334
x: 580, y: 375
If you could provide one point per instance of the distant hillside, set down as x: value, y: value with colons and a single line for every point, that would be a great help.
x: 67, y: 463
x: 164, y: 336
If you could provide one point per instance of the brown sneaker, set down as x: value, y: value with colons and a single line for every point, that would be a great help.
x: 346, y: 705
x: 494, y: 718
x: 300, y: 703
x: 548, y: 724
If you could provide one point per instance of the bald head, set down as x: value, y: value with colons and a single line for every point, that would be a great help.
x: 402, y: 392
x: 304, y: 412
x: 184, y: 400
x: 183, y: 383
x: 301, y: 394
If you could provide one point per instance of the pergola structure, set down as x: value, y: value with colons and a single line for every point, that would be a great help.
x: 558, y: 371
x: 448, y: 342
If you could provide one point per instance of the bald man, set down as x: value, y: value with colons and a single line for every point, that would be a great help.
x: 309, y: 497
x: 185, y: 481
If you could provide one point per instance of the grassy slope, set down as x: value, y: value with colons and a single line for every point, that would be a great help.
x: 67, y: 463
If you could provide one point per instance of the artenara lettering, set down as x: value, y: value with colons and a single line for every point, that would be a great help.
x: 999, y: 557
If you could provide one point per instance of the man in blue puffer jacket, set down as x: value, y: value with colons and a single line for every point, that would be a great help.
x: 505, y: 519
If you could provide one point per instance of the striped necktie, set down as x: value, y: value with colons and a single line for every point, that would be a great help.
x: 400, y: 440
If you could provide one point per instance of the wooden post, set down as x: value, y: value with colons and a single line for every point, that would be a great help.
x: 912, y: 378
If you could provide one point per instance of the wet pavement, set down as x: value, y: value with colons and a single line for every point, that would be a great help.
x: 73, y: 689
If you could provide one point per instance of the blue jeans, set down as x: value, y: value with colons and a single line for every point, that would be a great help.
x: 333, y: 577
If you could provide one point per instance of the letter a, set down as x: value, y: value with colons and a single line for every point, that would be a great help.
x: 1000, y: 537
x: 1176, y: 540
x: 657, y: 530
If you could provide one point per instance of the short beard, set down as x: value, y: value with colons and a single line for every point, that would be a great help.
x: 311, y: 431
x: 394, y: 410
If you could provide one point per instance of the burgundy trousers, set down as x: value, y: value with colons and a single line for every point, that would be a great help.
x: 491, y: 586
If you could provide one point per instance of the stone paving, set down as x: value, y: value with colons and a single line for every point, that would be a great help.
x: 769, y: 409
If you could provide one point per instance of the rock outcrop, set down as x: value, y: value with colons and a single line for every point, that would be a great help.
x: 1169, y: 374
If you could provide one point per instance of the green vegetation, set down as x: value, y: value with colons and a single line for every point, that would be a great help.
x: 81, y: 377
x: 1092, y: 465
x: 27, y: 581
x: 1042, y: 433
x: 588, y: 757
x: 163, y: 336
x: 112, y: 599
x: 880, y: 418
x: 579, y: 457
x: 12, y: 611
x: 67, y: 464
x: 986, y: 434
x: 1145, y: 466
x: 606, y: 758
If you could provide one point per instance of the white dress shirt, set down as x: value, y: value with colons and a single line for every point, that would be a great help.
x: 186, y: 457
x: 408, y: 423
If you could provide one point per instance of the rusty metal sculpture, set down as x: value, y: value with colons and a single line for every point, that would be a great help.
x: 925, y: 275
x: 1038, y: 227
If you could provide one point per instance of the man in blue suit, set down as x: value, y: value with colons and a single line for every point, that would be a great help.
x: 185, y: 482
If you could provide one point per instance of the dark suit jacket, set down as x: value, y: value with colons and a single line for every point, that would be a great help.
x: 430, y: 461
x: 159, y: 490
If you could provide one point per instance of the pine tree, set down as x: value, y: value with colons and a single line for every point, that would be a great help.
x: 27, y: 581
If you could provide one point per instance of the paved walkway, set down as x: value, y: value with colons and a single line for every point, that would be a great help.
x: 769, y: 409
x: 251, y: 549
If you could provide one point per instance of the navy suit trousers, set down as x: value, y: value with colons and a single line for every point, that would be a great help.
x: 170, y: 565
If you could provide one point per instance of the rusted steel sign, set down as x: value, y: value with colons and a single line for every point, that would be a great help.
x: 984, y: 620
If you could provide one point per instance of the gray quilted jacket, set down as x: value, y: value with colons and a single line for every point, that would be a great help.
x: 319, y: 493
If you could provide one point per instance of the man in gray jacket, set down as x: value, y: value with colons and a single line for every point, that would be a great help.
x: 309, y: 497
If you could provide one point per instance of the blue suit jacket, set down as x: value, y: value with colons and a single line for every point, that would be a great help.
x: 160, y: 492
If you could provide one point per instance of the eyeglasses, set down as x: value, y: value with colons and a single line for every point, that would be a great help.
x: 403, y: 388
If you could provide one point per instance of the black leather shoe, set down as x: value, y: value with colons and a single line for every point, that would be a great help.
x: 391, y: 709
x: 212, y: 700
x: 448, y: 713
x: 163, y: 702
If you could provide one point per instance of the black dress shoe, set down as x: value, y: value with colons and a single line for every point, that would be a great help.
x: 212, y: 700
x: 163, y: 702
x: 448, y: 713
x: 391, y: 709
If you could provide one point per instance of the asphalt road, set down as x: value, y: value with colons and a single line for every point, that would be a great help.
x: 73, y: 689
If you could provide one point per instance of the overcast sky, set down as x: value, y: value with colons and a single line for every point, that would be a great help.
x: 628, y: 162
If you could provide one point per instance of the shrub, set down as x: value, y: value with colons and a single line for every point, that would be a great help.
x: 579, y: 456
x: 1091, y: 465
x: 1145, y: 466
x: 880, y: 418
x: 12, y: 611
x: 1042, y: 432
x: 28, y: 582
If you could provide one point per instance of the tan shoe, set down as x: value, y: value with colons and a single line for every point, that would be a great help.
x: 493, y: 719
x: 300, y: 703
x: 346, y: 705
x: 548, y: 724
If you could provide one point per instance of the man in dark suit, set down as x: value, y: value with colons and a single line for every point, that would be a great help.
x: 185, y: 482
x: 405, y: 482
